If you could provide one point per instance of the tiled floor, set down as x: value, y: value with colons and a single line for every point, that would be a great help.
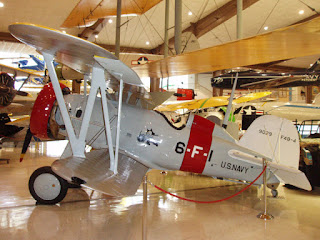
x: 85, y: 214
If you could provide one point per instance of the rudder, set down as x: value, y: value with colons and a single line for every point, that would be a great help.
x: 276, y: 138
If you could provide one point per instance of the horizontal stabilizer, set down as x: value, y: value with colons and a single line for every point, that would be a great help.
x: 297, y: 179
x: 94, y: 171
x: 287, y: 174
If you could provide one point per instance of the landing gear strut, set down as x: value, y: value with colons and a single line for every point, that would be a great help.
x: 46, y: 187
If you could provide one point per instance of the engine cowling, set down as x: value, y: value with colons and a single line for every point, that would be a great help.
x: 40, y: 115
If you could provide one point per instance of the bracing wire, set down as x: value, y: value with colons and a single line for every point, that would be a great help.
x: 311, y: 8
x: 199, y: 17
x: 224, y: 24
x: 268, y: 16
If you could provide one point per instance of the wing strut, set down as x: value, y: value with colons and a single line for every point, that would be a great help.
x: 226, y: 117
x: 98, y: 81
x: 77, y: 144
x: 114, y: 167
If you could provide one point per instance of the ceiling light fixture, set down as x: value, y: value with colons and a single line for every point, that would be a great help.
x: 110, y: 20
x: 1, y: 4
x: 301, y: 12
x: 96, y: 36
x: 147, y: 42
x: 126, y: 15
x: 266, y: 28
x: 189, y: 13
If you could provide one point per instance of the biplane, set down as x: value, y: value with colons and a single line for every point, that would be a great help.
x: 129, y: 138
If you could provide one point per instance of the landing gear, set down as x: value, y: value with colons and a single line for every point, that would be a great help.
x: 274, y: 193
x: 273, y: 187
x: 46, y: 187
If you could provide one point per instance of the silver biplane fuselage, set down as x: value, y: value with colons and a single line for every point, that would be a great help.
x: 149, y: 138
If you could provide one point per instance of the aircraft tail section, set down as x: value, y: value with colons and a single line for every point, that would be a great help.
x: 274, y: 137
x: 287, y: 174
x: 277, y: 139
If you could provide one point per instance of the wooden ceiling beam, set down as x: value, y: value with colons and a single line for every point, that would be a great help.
x: 7, y: 37
x: 123, y: 49
x: 272, y: 66
x: 209, y: 22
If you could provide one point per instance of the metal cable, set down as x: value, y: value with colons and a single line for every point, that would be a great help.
x: 268, y: 16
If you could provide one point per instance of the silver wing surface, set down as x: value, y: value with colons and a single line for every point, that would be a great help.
x: 94, y: 172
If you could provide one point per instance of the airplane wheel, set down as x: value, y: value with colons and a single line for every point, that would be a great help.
x: 46, y: 187
x: 274, y: 193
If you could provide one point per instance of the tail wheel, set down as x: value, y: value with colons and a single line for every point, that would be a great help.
x: 46, y: 187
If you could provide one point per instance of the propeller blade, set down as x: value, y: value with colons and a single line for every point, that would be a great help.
x: 22, y: 93
x: 26, y: 143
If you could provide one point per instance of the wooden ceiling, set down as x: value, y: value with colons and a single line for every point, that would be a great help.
x: 291, y: 42
x: 87, y: 12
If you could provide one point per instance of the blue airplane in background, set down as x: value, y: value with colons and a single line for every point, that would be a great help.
x: 35, y: 64
x: 26, y: 64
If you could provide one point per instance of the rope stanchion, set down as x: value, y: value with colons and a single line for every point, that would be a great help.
x: 214, y: 201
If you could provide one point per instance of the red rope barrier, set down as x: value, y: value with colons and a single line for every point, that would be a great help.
x: 215, y: 201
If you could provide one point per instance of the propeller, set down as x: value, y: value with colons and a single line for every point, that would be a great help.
x: 39, y: 120
x: 7, y: 90
x: 26, y: 143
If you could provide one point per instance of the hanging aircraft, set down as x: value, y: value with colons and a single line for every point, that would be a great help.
x: 267, y: 80
x: 129, y: 139
x: 36, y: 65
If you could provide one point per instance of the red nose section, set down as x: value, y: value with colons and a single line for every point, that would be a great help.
x: 42, y: 109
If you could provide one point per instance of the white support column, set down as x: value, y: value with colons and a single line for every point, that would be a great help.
x: 239, y: 19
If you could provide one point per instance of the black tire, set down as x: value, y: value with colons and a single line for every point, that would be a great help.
x: 58, y: 185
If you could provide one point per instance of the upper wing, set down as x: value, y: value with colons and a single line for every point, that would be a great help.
x: 68, y: 50
x: 290, y: 42
x: 18, y: 71
x: 211, y: 102
x: 82, y: 55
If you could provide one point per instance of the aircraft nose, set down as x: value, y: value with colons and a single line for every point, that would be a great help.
x: 41, y: 110
x: 40, y: 115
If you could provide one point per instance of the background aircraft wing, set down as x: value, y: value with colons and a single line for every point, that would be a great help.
x: 290, y: 42
x: 210, y: 102
x: 273, y: 83
x: 18, y: 71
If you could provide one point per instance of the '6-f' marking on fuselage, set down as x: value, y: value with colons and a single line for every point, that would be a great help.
x: 198, y: 146
x: 195, y: 150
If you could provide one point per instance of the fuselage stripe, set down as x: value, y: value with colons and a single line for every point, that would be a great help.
x: 199, y: 145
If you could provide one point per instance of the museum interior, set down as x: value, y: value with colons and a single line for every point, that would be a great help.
x: 159, y: 119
